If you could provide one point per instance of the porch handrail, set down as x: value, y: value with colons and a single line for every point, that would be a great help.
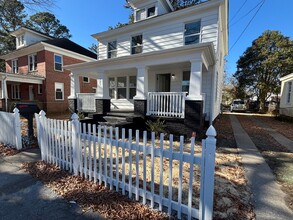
x: 86, y: 102
x: 166, y: 104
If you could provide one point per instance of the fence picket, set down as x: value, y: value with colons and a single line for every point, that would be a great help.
x: 137, y: 165
x: 161, y: 170
x: 144, y: 166
x: 180, y: 175
x: 117, y: 158
x: 152, y: 169
x: 89, y: 158
x: 123, y: 161
x: 111, y: 158
x: 170, y: 175
x: 190, y: 181
x: 100, y: 153
x: 95, y: 152
x: 130, y: 163
x: 105, y: 155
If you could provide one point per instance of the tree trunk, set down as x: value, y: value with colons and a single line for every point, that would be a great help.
x: 262, y: 101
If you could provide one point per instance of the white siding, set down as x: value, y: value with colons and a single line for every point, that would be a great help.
x: 206, y: 89
x: 165, y: 36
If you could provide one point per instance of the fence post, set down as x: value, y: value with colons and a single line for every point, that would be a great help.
x: 42, y: 133
x: 75, y: 143
x: 17, y: 130
x: 207, y: 175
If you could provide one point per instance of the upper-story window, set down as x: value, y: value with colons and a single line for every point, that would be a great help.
x: 58, y: 62
x: 32, y: 62
x: 20, y: 40
x: 140, y: 14
x: 192, y: 33
x: 14, y: 66
x: 289, y: 93
x: 151, y: 11
x: 112, y: 49
x: 136, y: 44
x: 86, y: 79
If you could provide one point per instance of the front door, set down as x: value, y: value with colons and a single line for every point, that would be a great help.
x: 163, y: 82
x: 31, y: 93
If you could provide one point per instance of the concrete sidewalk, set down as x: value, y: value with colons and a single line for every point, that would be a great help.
x: 268, y: 198
x: 23, y: 197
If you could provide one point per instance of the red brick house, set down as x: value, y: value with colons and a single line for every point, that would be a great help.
x: 34, y: 71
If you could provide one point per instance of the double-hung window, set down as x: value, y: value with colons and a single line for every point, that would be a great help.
x: 192, y: 33
x: 59, y: 91
x: 136, y: 44
x: 32, y: 62
x: 151, y: 11
x: 112, y: 49
x: 14, y: 66
x: 58, y: 62
x: 289, y: 92
x: 20, y: 40
x: 15, y: 91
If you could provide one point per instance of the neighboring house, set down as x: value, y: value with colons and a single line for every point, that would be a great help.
x: 34, y: 71
x: 286, y: 103
x: 166, y: 64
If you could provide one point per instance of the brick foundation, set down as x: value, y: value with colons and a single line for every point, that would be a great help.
x: 140, y: 107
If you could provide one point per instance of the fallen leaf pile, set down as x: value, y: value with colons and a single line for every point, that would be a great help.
x: 7, y: 151
x: 90, y: 196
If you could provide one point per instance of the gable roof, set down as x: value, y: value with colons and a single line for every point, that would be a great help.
x: 67, y: 44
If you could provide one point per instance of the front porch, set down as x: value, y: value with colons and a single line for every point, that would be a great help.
x: 171, y: 86
x: 15, y: 88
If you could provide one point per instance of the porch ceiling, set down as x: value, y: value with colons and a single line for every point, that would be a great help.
x: 10, y: 77
x: 156, y: 59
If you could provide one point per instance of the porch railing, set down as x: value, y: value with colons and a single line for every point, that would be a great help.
x: 166, y: 104
x: 86, y: 102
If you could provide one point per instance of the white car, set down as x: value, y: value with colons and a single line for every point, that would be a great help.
x: 238, y: 105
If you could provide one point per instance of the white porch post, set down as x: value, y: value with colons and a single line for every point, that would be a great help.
x: 102, y: 91
x: 74, y: 86
x: 142, y: 83
x: 195, y: 86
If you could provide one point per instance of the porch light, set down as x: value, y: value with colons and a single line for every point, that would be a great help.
x: 173, y: 75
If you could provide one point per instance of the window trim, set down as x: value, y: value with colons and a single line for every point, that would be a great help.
x: 57, y: 84
x: 20, y: 40
x: 111, y: 51
x: 199, y: 33
x: 13, y: 68
x: 55, y: 54
x: 34, y: 63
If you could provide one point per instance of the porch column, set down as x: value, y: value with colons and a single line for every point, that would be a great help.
x: 4, y: 94
x: 194, y: 117
x: 102, y: 97
x: 195, y: 86
x: 74, y: 89
x: 142, y: 88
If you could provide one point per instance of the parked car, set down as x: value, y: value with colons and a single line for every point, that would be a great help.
x: 238, y: 105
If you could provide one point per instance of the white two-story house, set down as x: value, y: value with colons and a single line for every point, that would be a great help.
x: 168, y: 63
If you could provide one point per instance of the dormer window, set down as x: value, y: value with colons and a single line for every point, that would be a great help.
x: 146, y: 13
x: 151, y: 11
x: 192, y: 33
x: 20, y: 40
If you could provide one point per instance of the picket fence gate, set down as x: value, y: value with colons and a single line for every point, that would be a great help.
x: 74, y: 146
x: 10, y: 131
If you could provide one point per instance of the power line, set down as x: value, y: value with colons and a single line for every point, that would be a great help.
x: 238, y: 11
x: 247, y: 25
x: 245, y: 14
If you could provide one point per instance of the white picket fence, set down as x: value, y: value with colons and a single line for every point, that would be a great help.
x: 10, y: 131
x: 102, y: 156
